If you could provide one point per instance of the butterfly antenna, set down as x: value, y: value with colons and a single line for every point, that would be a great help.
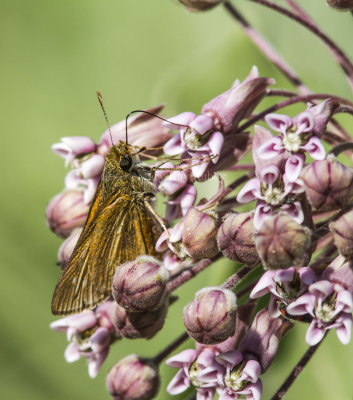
x: 153, y: 115
x: 100, y: 99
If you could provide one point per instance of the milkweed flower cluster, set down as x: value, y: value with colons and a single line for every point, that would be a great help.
x: 298, y: 236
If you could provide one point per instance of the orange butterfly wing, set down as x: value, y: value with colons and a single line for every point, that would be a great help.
x: 117, y: 230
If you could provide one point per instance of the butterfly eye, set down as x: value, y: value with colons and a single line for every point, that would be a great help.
x: 125, y: 163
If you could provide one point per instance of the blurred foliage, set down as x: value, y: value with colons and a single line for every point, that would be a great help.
x: 54, y: 56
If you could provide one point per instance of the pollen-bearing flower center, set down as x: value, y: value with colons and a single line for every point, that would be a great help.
x: 193, y: 371
x: 325, y: 312
x: 234, y: 381
x: 292, y: 142
x: 272, y: 195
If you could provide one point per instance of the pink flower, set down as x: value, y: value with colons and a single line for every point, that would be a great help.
x: 283, y: 286
x: 73, y: 146
x: 329, y: 309
x: 90, y: 334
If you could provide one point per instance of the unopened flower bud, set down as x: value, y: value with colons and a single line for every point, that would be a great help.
x: 263, y: 338
x: 342, y: 230
x: 140, y: 285
x: 210, y: 317
x: 66, y: 211
x: 328, y: 184
x: 199, y: 234
x: 68, y: 246
x: 340, y: 273
x: 137, y: 325
x: 133, y: 378
x: 200, y: 5
x: 344, y: 5
x: 281, y: 242
x: 235, y: 238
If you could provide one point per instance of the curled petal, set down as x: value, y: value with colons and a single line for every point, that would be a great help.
x: 253, y: 391
x: 307, y: 276
x: 215, y: 144
x: 269, y: 174
x: 187, y: 198
x: 162, y: 242
x: 304, y: 122
x: 294, y: 211
x: 294, y: 166
x: 344, y: 301
x: 315, y: 148
x: 285, y: 275
x: 265, y: 285
x: 250, y: 191
x: 81, y: 322
x: 321, y: 289
x: 271, y: 148
x: 185, y: 357
x: 184, y: 118
x: 93, y: 166
x: 262, y: 211
x: 100, y: 339
x: 251, y: 371
x: 174, y: 182
x: 315, y: 333
x: 302, y: 305
x: 200, y: 167
x: 279, y: 122
x: 202, y: 124
x: 90, y: 189
x: 72, y: 352
x: 230, y: 358
x: 179, y: 383
x: 174, y: 146
x: 344, y: 331
x: 95, y: 361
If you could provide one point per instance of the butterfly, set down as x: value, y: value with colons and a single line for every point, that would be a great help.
x: 120, y: 226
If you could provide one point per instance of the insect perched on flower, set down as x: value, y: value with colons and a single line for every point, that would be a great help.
x: 120, y: 226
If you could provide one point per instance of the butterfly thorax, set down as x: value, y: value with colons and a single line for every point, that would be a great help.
x: 124, y: 172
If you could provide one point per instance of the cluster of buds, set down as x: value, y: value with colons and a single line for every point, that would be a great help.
x: 283, y: 231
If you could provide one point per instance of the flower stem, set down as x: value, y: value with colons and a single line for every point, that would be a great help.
x: 283, y: 104
x: 189, y: 273
x: 170, y: 348
x: 238, y: 276
x: 339, y: 55
x: 267, y: 49
x: 295, y: 372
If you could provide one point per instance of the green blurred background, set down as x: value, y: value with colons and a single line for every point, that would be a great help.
x: 138, y: 53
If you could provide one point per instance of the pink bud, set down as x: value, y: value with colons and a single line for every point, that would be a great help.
x: 66, y: 211
x: 328, y: 184
x: 210, y: 317
x: 281, y: 242
x: 344, y: 5
x: 140, y: 285
x: 137, y: 325
x: 342, y: 230
x: 133, y: 378
x: 200, y: 5
x: 236, y: 239
x: 68, y: 246
x: 199, y: 234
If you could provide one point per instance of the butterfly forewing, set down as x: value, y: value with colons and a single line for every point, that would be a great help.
x: 119, y: 228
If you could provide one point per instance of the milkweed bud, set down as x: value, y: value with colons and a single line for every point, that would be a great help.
x: 200, y: 5
x: 281, y: 242
x: 344, y: 5
x: 236, y: 239
x: 68, y: 246
x: 328, y: 184
x: 342, y: 230
x: 140, y: 285
x: 133, y: 378
x: 199, y: 234
x: 66, y: 211
x: 210, y: 317
x: 137, y: 325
